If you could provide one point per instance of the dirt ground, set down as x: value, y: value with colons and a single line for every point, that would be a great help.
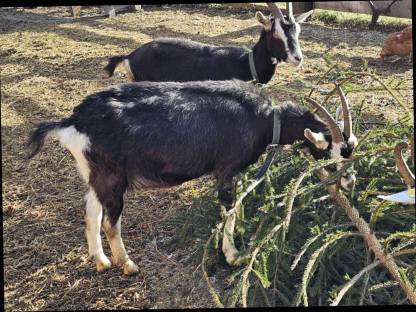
x: 49, y: 63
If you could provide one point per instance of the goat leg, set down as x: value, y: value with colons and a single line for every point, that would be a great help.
x: 228, y: 246
x: 225, y: 196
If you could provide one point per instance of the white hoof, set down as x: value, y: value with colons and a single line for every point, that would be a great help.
x: 102, y: 263
x: 130, y: 268
x: 231, y: 256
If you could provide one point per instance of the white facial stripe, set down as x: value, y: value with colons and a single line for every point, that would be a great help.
x: 292, y: 55
x: 297, y: 27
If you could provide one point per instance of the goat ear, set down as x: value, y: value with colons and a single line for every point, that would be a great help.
x: 339, y: 118
x: 267, y: 24
x: 317, y: 139
x: 302, y: 17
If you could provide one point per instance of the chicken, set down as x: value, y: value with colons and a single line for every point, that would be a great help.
x: 398, y: 43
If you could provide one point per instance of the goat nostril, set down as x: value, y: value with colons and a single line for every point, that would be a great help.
x: 297, y: 58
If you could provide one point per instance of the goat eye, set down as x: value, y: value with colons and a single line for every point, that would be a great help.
x: 332, y: 167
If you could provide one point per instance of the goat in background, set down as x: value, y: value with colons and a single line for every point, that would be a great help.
x: 175, y: 59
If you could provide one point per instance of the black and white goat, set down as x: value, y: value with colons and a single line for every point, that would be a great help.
x: 160, y: 134
x: 170, y: 59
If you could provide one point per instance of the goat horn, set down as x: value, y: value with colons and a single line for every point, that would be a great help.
x: 404, y: 170
x: 290, y: 10
x: 333, y: 127
x: 275, y: 11
x: 346, y: 112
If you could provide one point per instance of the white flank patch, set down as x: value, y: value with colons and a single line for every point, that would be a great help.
x: 130, y: 75
x: 76, y: 142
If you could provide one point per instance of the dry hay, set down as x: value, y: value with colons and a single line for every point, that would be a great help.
x: 49, y: 63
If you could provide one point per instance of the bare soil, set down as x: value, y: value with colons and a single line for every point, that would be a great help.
x: 49, y: 63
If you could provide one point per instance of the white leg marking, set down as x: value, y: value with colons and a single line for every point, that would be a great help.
x: 130, y: 75
x: 228, y: 246
x: 119, y: 254
x: 76, y: 142
x: 94, y: 212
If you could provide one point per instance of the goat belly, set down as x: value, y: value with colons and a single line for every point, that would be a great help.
x: 165, y: 133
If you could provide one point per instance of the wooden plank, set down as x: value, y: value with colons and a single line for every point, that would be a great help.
x: 301, y: 7
x: 112, y: 9
x: 399, y: 9
x: 254, y: 6
x: 76, y: 11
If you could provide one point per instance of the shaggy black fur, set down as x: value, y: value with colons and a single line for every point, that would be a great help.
x: 175, y: 59
x: 159, y: 134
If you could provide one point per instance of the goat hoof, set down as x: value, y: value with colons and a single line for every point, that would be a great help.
x: 130, y: 268
x: 114, y: 260
x: 103, y: 263
x: 231, y: 258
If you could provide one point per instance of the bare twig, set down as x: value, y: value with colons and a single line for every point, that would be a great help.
x: 369, y: 237
x: 348, y: 285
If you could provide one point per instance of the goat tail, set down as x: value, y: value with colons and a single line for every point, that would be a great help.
x: 39, y: 134
x: 113, y: 63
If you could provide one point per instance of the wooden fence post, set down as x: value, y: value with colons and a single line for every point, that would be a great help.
x: 301, y: 7
x: 76, y: 11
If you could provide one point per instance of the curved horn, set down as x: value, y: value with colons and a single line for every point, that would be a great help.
x: 333, y: 127
x: 289, y: 7
x: 404, y: 170
x: 346, y: 112
x: 290, y: 12
x: 275, y: 11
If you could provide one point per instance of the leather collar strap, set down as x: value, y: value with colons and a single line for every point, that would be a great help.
x: 273, y: 147
x: 252, y: 66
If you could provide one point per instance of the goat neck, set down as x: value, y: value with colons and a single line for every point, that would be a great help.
x: 294, y: 120
x: 262, y: 58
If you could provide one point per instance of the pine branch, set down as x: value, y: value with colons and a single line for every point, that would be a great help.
x: 370, y: 238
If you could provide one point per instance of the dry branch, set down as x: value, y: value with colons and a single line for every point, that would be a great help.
x: 377, y: 12
x: 404, y: 170
x: 371, y: 240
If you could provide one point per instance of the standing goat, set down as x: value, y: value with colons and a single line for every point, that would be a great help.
x: 160, y: 134
x: 169, y: 59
